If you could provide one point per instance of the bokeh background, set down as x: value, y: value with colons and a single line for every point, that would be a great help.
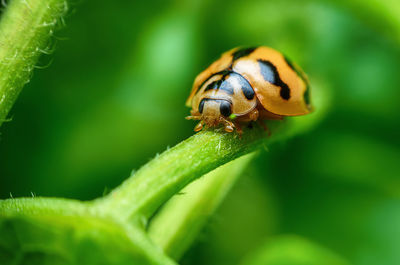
x: 112, y: 95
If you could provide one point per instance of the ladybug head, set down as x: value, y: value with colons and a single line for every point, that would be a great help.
x: 212, y: 112
x: 211, y: 108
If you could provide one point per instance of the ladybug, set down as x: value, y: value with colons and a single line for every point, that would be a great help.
x: 248, y: 84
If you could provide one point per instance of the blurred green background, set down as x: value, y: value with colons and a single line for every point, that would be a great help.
x: 112, y: 95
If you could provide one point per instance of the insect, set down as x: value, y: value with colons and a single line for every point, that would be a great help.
x: 248, y: 84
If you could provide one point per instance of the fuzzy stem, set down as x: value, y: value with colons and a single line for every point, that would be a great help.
x: 25, y: 29
x: 144, y: 192
x: 169, y: 172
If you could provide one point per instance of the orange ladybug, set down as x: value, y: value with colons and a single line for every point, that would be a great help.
x: 248, y: 84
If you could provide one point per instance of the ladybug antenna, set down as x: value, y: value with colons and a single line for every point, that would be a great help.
x: 193, y: 117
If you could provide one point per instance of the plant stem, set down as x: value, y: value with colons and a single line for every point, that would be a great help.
x: 25, y: 29
x: 144, y: 192
x: 181, y: 219
x: 169, y: 172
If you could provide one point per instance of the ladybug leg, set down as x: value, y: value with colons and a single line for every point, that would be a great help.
x: 229, y: 126
x: 239, y: 129
x: 199, y: 126
x: 253, y: 115
x: 265, y: 127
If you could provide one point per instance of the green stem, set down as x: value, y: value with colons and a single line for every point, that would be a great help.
x: 25, y: 29
x: 144, y: 192
x: 168, y: 173
x: 177, y: 225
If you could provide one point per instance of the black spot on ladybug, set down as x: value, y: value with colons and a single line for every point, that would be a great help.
x: 201, y: 105
x: 217, y: 100
x: 270, y: 74
x: 285, y: 93
x: 225, y: 108
x: 247, y: 90
x: 224, y: 73
x: 242, y: 53
x: 222, y: 85
x: 300, y: 73
x: 212, y: 85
